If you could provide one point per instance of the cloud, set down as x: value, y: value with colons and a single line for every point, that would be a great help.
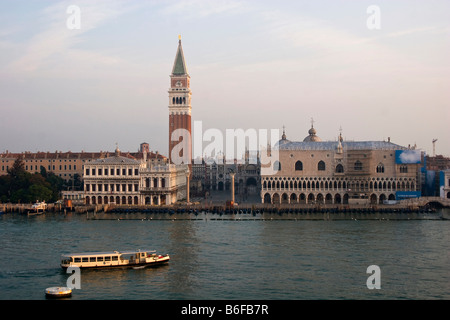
x: 55, y: 43
x: 410, y: 156
x: 202, y: 8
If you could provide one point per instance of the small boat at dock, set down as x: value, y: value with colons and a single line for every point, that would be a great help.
x: 114, y: 259
x: 37, y: 208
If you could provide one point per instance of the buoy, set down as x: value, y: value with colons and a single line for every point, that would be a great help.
x: 58, y: 292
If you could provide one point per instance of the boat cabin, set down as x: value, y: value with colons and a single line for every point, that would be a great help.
x: 111, y: 259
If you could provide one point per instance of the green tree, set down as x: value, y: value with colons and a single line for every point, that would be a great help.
x: 21, y: 186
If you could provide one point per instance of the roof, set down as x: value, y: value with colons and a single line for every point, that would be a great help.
x: 179, y: 66
x: 106, y: 253
x: 115, y: 160
x: 347, y: 145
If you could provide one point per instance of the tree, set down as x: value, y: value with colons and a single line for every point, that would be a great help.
x: 21, y: 186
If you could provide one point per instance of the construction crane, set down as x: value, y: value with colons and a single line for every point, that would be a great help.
x: 434, y: 147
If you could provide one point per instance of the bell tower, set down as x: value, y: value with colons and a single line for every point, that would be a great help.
x: 180, y: 141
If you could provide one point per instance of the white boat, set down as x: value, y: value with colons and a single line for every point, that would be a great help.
x: 113, y: 259
x: 37, y: 208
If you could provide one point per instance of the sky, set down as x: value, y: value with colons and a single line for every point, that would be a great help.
x: 372, y: 75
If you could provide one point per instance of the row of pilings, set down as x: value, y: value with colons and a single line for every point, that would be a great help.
x: 250, y: 211
x: 257, y: 212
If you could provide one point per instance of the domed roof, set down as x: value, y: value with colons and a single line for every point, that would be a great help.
x: 283, y: 140
x: 312, y: 136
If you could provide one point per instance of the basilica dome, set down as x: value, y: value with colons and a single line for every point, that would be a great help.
x: 312, y: 137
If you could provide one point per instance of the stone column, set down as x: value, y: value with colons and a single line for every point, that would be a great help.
x: 187, y: 185
x: 232, y: 174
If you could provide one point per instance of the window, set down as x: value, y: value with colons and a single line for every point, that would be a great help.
x: 380, y: 168
x: 108, y: 258
x: 99, y: 259
x: 92, y: 259
x: 339, y: 168
x: 77, y: 260
x: 85, y: 259
x: 403, y: 169
x: 115, y: 258
x: 358, y: 166
x: 277, y: 166
x: 321, y: 166
x: 298, y: 166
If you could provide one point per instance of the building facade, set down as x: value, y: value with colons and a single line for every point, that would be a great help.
x: 340, y: 172
x: 68, y: 164
x: 445, y: 184
x: 119, y: 180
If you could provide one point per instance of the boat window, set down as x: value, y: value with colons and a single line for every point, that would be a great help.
x: 86, y: 259
x: 92, y: 259
x: 115, y: 258
x: 107, y: 258
x: 77, y: 259
x: 99, y: 259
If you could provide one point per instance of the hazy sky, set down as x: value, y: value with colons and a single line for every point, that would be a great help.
x: 253, y: 64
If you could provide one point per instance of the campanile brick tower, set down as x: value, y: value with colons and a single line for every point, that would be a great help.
x: 180, y: 110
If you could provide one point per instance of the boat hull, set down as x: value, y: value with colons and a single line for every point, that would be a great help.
x: 157, y: 263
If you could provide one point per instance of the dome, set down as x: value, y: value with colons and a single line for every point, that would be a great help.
x: 283, y: 140
x: 312, y: 136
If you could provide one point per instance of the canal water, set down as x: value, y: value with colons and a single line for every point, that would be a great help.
x: 230, y: 259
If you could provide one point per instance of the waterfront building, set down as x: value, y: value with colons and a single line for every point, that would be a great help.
x: 162, y: 184
x: 69, y: 164
x: 180, y: 110
x: 112, y: 180
x: 341, y: 172
x: 214, y: 174
x: 445, y: 184
x: 122, y: 180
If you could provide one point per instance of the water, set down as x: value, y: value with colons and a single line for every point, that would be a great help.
x: 226, y: 260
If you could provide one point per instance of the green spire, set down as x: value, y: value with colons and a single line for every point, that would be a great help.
x: 179, y: 67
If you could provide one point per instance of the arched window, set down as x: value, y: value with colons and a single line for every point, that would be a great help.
x: 321, y: 166
x: 403, y: 169
x: 380, y: 168
x: 298, y: 166
x: 277, y: 166
x: 358, y: 165
x: 339, y: 168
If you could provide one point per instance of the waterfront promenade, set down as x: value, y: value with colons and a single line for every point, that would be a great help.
x: 214, y: 207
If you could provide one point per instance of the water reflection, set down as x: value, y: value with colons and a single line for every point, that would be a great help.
x: 183, y: 247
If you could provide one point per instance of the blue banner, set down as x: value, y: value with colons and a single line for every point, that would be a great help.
x: 402, y: 195
x: 408, y: 156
